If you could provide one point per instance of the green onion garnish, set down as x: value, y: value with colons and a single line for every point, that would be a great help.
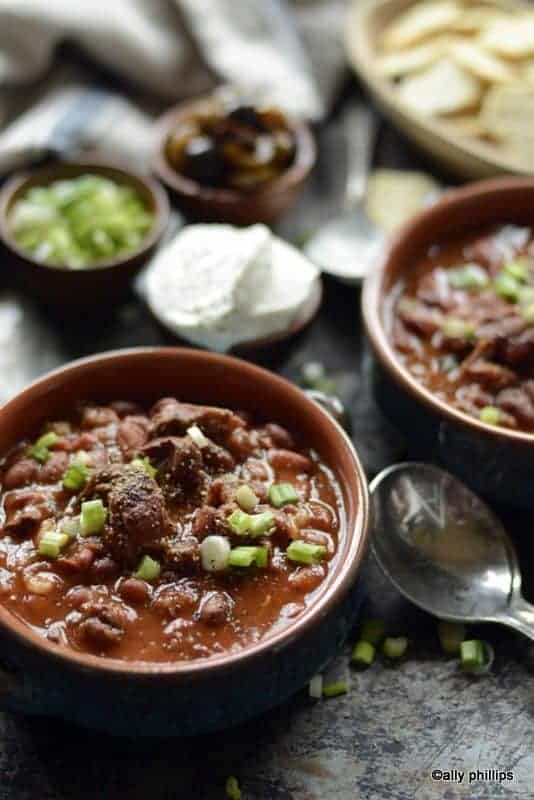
x: 93, y: 517
x: 144, y: 463
x: 373, y: 631
x: 451, y: 636
x: 71, y: 526
x: 526, y: 295
x: 233, y: 792
x: 472, y: 654
x: 507, y: 287
x: 40, y: 450
x: 335, y: 689
x: 51, y: 543
x: 304, y: 552
x: 458, y: 329
x: 251, y: 524
x: 281, y: 494
x: 363, y: 654
x: 491, y: 415
x: 239, y: 522
x: 246, y: 498
x: 75, y: 477
x: 527, y: 312
x: 315, y: 687
x: 517, y: 269
x: 148, y: 570
x: 395, y: 647
x: 248, y: 556
x: 469, y: 277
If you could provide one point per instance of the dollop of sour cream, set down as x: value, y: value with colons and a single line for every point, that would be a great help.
x: 218, y: 286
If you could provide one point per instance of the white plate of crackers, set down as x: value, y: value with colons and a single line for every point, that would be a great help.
x: 456, y: 76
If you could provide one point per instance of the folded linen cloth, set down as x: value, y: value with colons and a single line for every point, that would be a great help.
x: 286, y: 52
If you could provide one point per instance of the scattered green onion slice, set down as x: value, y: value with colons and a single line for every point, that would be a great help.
x: 261, y: 524
x: 214, y: 553
x: 148, y: 570
x: 526, y: 296
x: 491, y: 415
x: 246, y: 498
x: 315, y: 687
x: 363, y: 654
x: 469, y: 277
x: 456, y: 328
x: 476, y: 656
x: 451, y: 636
x: 40, y: 450
x: 239, y: 522
x: 71, y: 526
x: 248, y: 556
x: 527, y: 312
x: 281, y: 494
x: 51, y: 543
x: 75, y: 477
x: 335, y: 689
x: 507, y: 287
x: 304, y: 552
x: 517, y: 268
x: 93, y: 517
x: 197, y: 436
x: 373, y: 631
x: 144, y: 463
x: 395, y: 647
x: 233, y: 792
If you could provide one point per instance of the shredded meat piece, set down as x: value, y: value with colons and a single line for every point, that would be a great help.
x: 132, y: 434
x: 25, y: 510
x: 171, y: 418
x: 179, y: 463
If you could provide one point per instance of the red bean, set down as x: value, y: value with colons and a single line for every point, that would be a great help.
x: 20, y: 474
x: 131, y: 435
x: 279, y: 436
x: 134, y: 591
x: 306, y: 579
x: 215, y: 608
x: 103, y: 569
x: 98, y: 417
x: 79, y: 561
x: 288, y: 459
x: 53, y: 470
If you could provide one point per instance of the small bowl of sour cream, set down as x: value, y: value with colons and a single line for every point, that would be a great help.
x: 232, y: 289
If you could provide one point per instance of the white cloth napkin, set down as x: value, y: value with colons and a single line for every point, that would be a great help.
x: 62, y: 99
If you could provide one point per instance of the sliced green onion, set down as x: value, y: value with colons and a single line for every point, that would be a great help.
x: 246, y: 498
x: 82, y: 457
x: 197, y: 436
x: 451, y: 636
x: 248, y: 556
x: 335, y: 689
x: 41, y: 454
x: 144, y: 463
x: 71, y: 527
x: 261, y: 524
x: 526, y: 295
x: 93, y: 517
x: 75, y: 477
x: 40, y: 450
x: 527, y: 312
x: 233, y: 792
x: 315, y: 687
x: 363, y: 654
x: 476, y: 656
x: 507, y: 287
x: 458, y: 329
x: 491, y: 415
x: 518, y: 269
x: 469, y: 277
x: 148, y: 570
x: 281, y: 494
x: 47, y: 439
x: 214, y: 553
x: 373, y: 631
x: 239, y: 522
x: 51, y: 543
x: 395, y: 647
x: 304, y: 552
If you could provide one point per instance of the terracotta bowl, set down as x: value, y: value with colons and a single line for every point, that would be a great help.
x: 96, y: 288
x: 136, y: 698
x: 494, y: 461
x: 212, y: 204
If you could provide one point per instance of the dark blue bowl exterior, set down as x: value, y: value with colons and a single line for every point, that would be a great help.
x: 132, y: 705
x: 499, y: 469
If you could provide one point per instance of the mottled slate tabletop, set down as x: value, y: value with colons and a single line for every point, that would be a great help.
x: 400, y: 731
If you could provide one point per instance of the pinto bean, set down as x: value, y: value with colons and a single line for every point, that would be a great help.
x: 306, y: 579
x: 78, y: 561
x: 98, y: 417
x: 174, y: 599
x: 20, y: 474
x: 134, y: 591
x: 279, y: 436
x: 53, y: 470
x: 315, y: 515
x: 100, y: 634
x: 288, y: 459
x: 103, y: 569
x: 124, y: 408
x: 215, y: 608
x: 78, y: 595
x: 25, y: 510
x: 132, y: 435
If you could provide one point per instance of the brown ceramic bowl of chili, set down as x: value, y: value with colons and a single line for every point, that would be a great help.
x: 246, y: 164
x: 95, y: 286
x: 175, y: 556
x: 449, y: 313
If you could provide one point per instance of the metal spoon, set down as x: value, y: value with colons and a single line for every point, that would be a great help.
x: 444, y: 549
x: 346, y: 246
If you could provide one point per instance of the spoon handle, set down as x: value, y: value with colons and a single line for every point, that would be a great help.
x: 360, y: 129
x: 520, y: 616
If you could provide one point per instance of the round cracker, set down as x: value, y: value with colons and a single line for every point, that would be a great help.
x: 445, y: 88
x: 419, y: 22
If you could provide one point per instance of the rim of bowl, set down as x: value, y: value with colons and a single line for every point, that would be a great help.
x: 375, y: 295
x: 54, y: 171
x: 305, y: 158
x: 337, y: 585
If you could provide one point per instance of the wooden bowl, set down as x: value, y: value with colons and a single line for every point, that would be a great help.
x: 465, y: 156
x: 70, y: 291
x: 497, y: 462
x: 212, y: 204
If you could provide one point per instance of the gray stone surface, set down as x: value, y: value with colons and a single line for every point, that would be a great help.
x: 381, y: 741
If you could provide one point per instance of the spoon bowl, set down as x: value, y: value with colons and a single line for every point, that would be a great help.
x: 445, y: 550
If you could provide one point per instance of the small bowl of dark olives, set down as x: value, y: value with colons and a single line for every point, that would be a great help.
x: 227, y: 160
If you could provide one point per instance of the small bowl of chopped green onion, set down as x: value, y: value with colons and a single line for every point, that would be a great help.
x: 78, y: 232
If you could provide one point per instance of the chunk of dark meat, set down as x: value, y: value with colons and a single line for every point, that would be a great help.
x: 79, y: 560
x: 179, y: 464
x: 171, y: 418
x: 182, y: 552
x: 132, y: 434
x: 215, y: 608
x: 25, y: 510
